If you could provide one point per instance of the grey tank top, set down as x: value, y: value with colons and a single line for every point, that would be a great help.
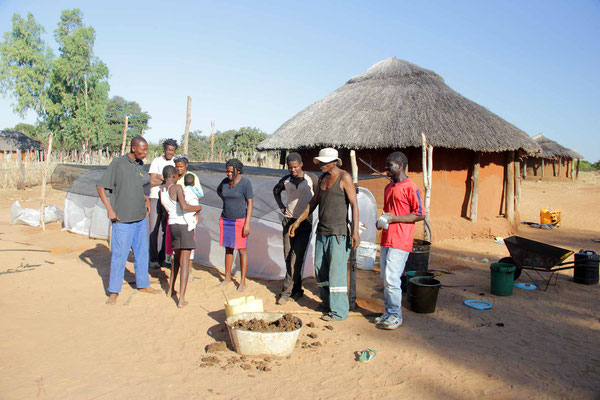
x: 333, y: 210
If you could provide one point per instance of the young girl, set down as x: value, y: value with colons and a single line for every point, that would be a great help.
x: 172, y: 199
x: 236, y: 193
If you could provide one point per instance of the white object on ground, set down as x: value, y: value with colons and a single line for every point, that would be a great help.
x: 31, y: 217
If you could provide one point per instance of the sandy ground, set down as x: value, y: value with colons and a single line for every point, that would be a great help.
x: 58, y: 340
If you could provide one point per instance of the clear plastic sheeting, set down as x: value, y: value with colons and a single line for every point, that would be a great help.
x: 31, y: 217
x: 85, y: 214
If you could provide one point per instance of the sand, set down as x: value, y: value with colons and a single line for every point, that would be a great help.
x: 58, y: 340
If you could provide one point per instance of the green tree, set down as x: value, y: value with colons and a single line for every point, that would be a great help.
x: 242, y: 140
x: 25, y: 62
x: 246, y: 139
x: 116, y: 110
x: 78, y: 86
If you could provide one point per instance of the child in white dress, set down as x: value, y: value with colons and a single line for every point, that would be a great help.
x: 192, y: 198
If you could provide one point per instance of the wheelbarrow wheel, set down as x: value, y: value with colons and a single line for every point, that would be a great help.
x: 509, y: 260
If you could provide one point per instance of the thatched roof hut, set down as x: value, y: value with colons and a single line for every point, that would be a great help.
x: 12, y: 141
x: 553, y: 150
x: 389, y: 106
x: 553, y: 160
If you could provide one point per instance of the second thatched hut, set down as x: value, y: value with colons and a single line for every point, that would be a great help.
x: 553, y: 161
x: 390, y: 107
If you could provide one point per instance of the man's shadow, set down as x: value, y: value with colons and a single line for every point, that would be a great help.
x: 99, y: 259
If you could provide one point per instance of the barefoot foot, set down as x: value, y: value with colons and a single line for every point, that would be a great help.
x: 182, y: 304
x: 242, y: 287
x: 224, y: 283
x: 112, y: 299
x: 149, y: 290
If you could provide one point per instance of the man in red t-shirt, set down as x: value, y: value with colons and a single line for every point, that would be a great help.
x: 402, y: 207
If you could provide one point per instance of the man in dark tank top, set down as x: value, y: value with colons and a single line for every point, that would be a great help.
x: 334, y: 192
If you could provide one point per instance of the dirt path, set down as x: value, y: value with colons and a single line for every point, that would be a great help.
x: 59, y: 340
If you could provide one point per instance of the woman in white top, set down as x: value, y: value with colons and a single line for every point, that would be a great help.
x: 172, y: 199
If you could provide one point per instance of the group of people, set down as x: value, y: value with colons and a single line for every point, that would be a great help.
x: 173, y: 206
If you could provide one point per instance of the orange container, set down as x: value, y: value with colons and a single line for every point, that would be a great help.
x: 550, y: 216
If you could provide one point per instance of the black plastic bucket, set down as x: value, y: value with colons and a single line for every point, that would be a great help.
x: 587, y: 265
x: 408, y: 275
x: 418, y: 259
x: 423, y: 294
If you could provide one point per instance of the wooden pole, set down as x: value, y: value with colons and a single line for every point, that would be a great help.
x: 21, y: 182
x: 188, y: 120
x: 517, y: 184
x: 125, y: 126
x: 43, y: 202
x: 352, y: 291
x: 525, y: 168
x: 577, y: 176
x: 212, y: 140
x: 510, y: 187
x: 572, y: 170
x: 559, y: 166
x: 543, y: 168
x: 475, y: 183
x: 427, y: 157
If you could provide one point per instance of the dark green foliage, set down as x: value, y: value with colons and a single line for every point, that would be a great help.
x: 242, y: 140
x: 116, y: 110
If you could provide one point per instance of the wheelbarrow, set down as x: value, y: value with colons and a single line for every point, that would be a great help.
x: 527, y: 254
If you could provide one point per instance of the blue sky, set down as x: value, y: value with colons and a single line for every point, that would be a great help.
x: 534, y: 63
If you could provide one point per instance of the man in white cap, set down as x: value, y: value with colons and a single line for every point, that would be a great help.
x: 334, y: 191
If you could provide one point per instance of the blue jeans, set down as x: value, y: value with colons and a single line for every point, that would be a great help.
x: 392, y: 266
x: 331, y: 271
x: 125, y: 236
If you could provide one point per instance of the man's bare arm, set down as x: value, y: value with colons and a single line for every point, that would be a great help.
x: 350, y: 190
x: 156, y: 179
x: 110, y: 213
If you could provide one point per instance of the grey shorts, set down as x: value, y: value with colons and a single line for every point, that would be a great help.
x: 181, y: 238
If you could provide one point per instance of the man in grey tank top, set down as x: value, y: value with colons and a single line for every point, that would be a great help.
x: 333, y: 193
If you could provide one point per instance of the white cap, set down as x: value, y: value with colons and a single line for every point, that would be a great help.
x: 328, y: 155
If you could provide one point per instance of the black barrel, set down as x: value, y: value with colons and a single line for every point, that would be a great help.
x: 587, y: 264
x: 418, y: 259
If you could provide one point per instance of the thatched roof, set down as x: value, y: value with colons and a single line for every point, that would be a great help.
x: 389, y: 106
x: 14, y: 140
x: 551, y: 149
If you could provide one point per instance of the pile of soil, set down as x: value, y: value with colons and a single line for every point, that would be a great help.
x: 287, y: 323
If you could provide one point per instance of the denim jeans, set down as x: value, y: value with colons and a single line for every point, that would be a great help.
x: 125, y: 236
x: 392, y: 267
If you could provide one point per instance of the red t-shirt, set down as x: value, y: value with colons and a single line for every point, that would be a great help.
x: 401, y: 198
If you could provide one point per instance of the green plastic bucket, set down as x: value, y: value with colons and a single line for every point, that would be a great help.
x: 502, y: 279
x: 423, y: 294
x: 408, y: 275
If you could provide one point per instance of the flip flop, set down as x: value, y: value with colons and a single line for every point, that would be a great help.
x: 367, y: 355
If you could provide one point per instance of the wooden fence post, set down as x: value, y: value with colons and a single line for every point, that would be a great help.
x: 352, y: 290
x: 188, y: 120
x: 475, y: 183
x: 124, y: 136
x: 517, y: 183
x: 510, y: 187
x: 427, y: 163
x: 43, y: 202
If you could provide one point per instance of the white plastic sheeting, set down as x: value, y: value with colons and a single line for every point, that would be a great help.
x: 31, y: 217
x: 86, y: 215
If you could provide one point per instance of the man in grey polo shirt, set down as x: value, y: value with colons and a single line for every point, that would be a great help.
x: 127, y: 209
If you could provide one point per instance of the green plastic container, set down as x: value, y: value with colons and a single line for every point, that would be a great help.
x: 502, y: 279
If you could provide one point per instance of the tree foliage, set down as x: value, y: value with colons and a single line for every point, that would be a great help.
x: 69, y: 93
x: 242, y: 140
x: 25, y: 62
x: 117, y: 109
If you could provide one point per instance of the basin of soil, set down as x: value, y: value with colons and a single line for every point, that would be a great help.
x: 286, y: 323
